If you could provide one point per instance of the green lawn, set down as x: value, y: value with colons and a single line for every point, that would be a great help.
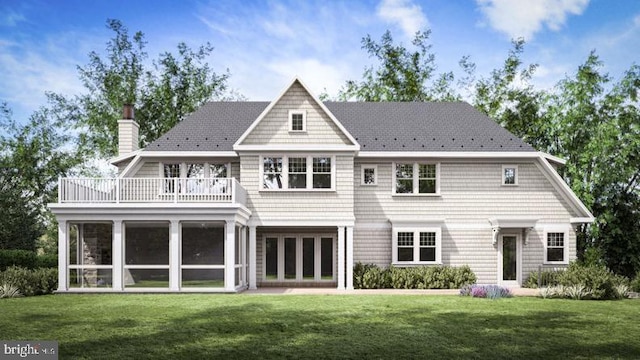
x: 195, y: 326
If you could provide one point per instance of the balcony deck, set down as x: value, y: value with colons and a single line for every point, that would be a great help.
x: 150, y: 190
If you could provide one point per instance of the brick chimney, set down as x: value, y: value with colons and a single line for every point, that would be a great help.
x: 127, y: 131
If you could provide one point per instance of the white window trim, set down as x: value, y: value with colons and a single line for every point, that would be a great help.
x: 416, y: 175
x: 515, y: 183
x: 416, y: 245
x: 304, y: 120
x: 285, y: 172
x: 375, y: 175
x: 557, y: 229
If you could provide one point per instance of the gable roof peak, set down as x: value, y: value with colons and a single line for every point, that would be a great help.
x: 296, y: 79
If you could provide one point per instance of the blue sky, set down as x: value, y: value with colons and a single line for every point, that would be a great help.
x: 265, y: 43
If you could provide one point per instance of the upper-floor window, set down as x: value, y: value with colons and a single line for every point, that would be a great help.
x: 369, y: 175
x: 195, y: 175
x: 509, y: 174
x: 416, y: 178
x: 298, y: 172
x: 321, y: 172
x: 297, y: 121
x: 272, y: 173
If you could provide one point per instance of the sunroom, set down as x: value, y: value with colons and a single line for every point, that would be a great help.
x: 143, y: 250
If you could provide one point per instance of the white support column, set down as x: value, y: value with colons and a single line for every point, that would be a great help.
x: 349, y: 257
x: 230, y: 256
x: 340, y: 257
x: 62, y: 256
x: 252, y: 259
x: 174, y: 256
x: 243, y: 256
x: 116, y: 258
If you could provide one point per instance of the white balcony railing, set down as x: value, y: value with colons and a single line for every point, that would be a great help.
x: 150, y: 190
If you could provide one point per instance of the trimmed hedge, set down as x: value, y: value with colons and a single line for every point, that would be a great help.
x: 370, y: 276
x: 26, y: 259
x: 30, y: 282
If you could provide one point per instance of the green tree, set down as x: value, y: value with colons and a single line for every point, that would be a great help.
x: 34, y: 156
x: 402, y: 74
x: 163, y: 94
x: 508, y: 97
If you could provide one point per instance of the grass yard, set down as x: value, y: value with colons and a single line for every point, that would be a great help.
x: 198, y: 326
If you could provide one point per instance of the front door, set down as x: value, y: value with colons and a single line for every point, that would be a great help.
x: 509, y: 260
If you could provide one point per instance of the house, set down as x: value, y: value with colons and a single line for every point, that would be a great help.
x: 293, y: 192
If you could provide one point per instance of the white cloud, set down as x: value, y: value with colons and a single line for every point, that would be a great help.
x: 29, y: 68
x: 525, y: 18
x: 404, y: 14
x: 11, y: 18
x: 315, y: 74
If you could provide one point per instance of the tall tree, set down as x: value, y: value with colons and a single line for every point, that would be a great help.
x: 34, y: 155
x: 508, y: 97
x: 163, y: 93
x: 402, y: 74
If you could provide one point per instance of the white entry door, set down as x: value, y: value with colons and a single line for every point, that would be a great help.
x: 510, y: 260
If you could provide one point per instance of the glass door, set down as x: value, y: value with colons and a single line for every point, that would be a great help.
x: 509, y: 264
x: 298, y: 258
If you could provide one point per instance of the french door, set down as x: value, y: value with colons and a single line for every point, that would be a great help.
x: 299, y: 258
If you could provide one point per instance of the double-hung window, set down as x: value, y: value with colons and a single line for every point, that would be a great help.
x: 414, y: 246
x: 321, y: 172
x: 298, y: 172
x: 416, y: 178
x: 556, y: 247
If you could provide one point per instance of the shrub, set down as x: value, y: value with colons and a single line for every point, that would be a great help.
x: 358, y: 273
x: 635, y: 283
x: 26, y: 259
x: 485, y: 291
x: 478, y: 291
x: 369, y: 276
x: 599, y: 280
x: 621, y: 291
x: 552, y: 292
x: 550, y: 277
x: 374, y: 278
x: 577, y: 292
x: 9, y: 291
x: 47, y: 261
x: 30, y: 282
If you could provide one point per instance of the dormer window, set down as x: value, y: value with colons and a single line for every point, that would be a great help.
x: 297, y: 121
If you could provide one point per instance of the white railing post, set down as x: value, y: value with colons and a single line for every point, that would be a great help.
x: 233, y: 189
x: 175, y: 189
x: 117, y: 190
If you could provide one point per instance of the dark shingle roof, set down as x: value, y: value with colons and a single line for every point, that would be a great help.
x: 384, y: 126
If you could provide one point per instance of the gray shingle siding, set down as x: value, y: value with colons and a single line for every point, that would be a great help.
x: 384, y: 126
